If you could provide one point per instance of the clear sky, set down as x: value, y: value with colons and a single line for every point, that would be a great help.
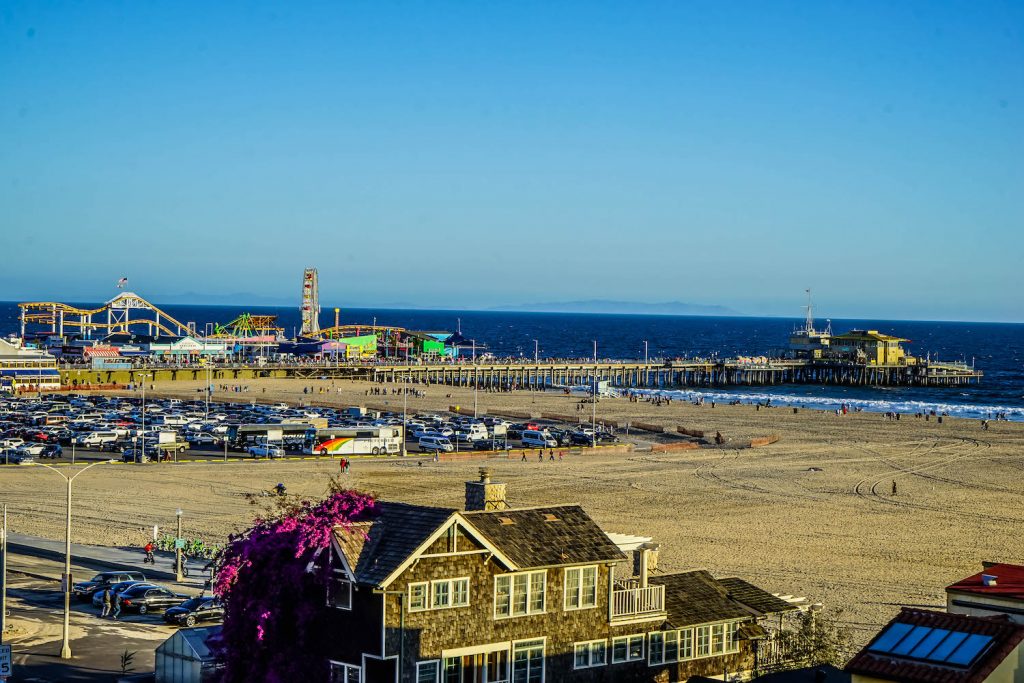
x: 472, y: 154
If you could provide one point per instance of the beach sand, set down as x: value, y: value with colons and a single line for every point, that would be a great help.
x: 812, y: 515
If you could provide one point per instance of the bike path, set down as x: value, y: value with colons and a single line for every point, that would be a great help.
x: 104, y: 558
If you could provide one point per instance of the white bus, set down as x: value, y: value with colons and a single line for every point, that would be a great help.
x: 386, y: 440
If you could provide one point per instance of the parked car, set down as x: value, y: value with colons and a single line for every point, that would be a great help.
x: 31, y: 448
x: 83, y: 590
x: 143, y: 599
x: 436, y: 443
x: 14, y: 457
x: 203, y: 439
x: 52, y: 450
x: 191, y: 612
x: 120, y: 587
x: 537, y: 439
x: 264, y: 451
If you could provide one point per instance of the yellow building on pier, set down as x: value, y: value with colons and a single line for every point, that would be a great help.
x: 871, y: 347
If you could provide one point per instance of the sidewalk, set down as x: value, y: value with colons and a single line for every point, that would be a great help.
x: 102, y: 558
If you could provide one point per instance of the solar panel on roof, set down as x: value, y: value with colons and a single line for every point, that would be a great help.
x: 890, y: 637
x: 911, y: 640
x: 969, y: 650
x: 943, y: 649
x: 925, y: 647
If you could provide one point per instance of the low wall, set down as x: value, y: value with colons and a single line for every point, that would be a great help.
x: 764, y: 440
x: 668, y: 447
x: 533, y: 453
x: 647, y: 427
x: 695, y: 433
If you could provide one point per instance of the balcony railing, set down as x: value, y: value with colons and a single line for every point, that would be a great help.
x: 630, y: 603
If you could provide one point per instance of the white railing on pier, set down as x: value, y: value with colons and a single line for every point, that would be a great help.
x: 638, y: 602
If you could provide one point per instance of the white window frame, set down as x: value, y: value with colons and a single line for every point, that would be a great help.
x: 579, y: 572
x: 544, y: 657
x: 345, y: 667
x: 450, y: 583
x: 530, y: 594
x: 431, y: 663
x: 426, y: 596
x: 628, y: 640
x: 338, y: 576
x: 589, y: 644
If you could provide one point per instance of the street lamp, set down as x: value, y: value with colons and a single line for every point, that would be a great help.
x: 474, y: 380
x: 536, y: 363
x: 405, y: 412
x: 645, y: 352
x: 144, y: 378
x: 177, y: 546
x: 593, y: 399
x: 65, y: 648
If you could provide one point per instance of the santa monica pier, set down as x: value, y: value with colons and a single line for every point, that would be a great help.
x: 128, y: 338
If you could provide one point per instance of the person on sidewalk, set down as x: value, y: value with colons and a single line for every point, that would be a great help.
x: 117, y: 606
x: 106, y: 604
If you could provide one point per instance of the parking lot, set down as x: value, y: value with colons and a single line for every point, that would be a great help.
x: 60, y: 429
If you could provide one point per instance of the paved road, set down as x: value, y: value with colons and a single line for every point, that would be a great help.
x: 101, y: 558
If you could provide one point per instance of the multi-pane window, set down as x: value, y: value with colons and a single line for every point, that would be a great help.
x: 339, y: 591
x: 345, y: 673
x: 528, y: 661
x: 592, y: 653
x: 428, y: 672
x: 519, y: 594
x: 440, y: 594
x: 627, y: 648
x: 703, y: 641
x: 419, y: 595
x: 580, y: 587
x: 709, y: 641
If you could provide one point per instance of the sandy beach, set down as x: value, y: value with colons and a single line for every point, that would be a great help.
x: 812, y: 515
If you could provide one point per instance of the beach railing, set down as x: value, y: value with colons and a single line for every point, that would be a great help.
x: 630, y: 603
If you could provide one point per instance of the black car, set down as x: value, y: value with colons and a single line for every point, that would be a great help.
x: 191, y: 612
x: 84, y: 590
x: 143, y: 599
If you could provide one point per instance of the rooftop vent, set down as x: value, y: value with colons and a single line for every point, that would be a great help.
x: 548, y: 517
x: 507, y: 521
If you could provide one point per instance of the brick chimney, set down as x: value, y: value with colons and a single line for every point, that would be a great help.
x: 485, y: 494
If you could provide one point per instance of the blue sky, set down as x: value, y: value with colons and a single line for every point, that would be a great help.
x: 473, y: 154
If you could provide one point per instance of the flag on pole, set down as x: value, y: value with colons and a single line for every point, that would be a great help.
x: 122, y: 282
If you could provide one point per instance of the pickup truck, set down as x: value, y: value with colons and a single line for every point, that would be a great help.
x: 264, y: 451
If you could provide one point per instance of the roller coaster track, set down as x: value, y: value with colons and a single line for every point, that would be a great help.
x: 55, y: 315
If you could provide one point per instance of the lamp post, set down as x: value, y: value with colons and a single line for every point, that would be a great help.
x: 405, y: 412
x: 177, y: 548
x: 65, y: 648
x: 536, y: 364
x: 144, y: 378
x: 593, y: 403
x: 645, y: 352
x: 474, y: 380
x: 3, y: 577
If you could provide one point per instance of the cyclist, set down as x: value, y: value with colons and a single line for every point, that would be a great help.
x: 149, y: 552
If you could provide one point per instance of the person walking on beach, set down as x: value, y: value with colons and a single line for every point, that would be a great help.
x: 894, y: 487
x: 106, y: 603
x: 524, y: 456
x: 540, y: 456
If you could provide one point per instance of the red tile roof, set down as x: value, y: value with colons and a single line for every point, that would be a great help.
x: 1009, y: 582
x: 1006, y: 636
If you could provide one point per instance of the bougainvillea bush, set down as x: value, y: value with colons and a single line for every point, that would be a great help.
x: 274, y: 623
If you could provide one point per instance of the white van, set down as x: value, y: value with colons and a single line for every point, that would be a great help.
x: 436, y: 443
x: 96, y: 438
x: 474, y: 431
x: 535, y: 439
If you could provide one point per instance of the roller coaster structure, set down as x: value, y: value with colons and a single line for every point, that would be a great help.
x: 112, y: 317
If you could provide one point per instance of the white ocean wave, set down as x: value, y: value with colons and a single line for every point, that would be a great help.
x: 832, y: 403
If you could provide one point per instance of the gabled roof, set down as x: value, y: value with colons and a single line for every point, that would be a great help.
x: 1007, y: 582
x: 934, y: 639
x: 697, y: 598
x: 546, y: 536
x: 375, y: 549
x: 755, y: 598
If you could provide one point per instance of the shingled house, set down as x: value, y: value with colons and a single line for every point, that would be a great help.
x: 497, y: 595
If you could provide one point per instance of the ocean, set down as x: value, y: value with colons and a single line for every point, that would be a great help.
x: 997, y: 349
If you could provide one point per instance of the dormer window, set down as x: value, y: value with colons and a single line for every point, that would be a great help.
x: 339, y: 590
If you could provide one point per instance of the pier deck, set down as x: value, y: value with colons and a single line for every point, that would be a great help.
x: 628, y: 374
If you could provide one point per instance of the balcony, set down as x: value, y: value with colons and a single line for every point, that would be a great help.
x: 637, y: 603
